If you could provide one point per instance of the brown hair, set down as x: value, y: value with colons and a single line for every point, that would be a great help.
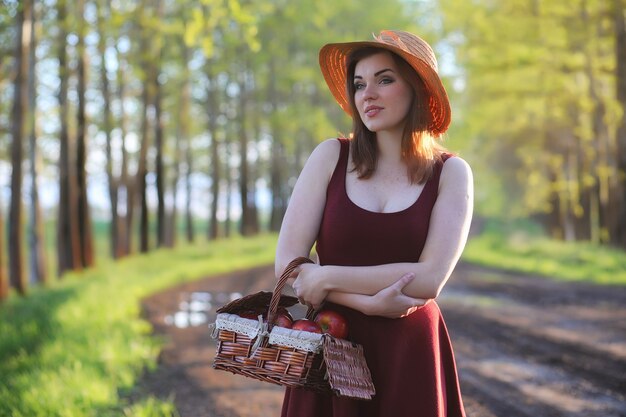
x: 420, y: 149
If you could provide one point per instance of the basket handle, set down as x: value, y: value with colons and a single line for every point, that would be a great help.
x: 278, y: 289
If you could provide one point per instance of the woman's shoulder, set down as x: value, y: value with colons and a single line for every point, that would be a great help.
x: 324, y: 157
x: 331, y: 146
x: 455, y: 169
x: 454, y: 160
x: 327, y: 152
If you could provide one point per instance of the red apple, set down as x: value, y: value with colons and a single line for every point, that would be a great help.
x: 306, y: 325
x: 283, y: 319
x: 332, y: 323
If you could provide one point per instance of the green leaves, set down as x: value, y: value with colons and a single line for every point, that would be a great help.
x: 538, y: 86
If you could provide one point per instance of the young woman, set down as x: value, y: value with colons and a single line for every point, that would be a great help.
x: 389, y: 210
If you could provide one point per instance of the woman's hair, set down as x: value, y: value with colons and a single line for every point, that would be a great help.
x: 420, y: 149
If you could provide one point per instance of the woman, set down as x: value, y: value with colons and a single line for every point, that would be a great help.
x: 389, y: 210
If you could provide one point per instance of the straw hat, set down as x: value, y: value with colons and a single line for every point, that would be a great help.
x: 414, y: 50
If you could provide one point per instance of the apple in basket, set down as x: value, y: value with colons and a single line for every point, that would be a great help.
x: 307, y: 326
x: 332, y: 323
x: 283, y: 318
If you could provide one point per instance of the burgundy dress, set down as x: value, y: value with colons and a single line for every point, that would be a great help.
x: 411, y: 358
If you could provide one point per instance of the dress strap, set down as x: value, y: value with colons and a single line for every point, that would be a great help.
x: 342, y: 163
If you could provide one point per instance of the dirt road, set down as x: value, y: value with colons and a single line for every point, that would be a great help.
x: 525, y: 347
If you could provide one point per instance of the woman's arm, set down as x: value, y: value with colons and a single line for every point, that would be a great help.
x: 389, y: 302
x: 306, y: 205
x: 448, y: 230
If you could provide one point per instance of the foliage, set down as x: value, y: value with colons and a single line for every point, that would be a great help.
x: 211, y: 50
x: 536, y: 99
x: 522, y: 247
x: 69, y: 349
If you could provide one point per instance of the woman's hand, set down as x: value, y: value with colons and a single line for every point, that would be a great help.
x: 307, y: 286
x: 392, y: 303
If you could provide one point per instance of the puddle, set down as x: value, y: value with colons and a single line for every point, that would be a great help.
x: 198, y: 308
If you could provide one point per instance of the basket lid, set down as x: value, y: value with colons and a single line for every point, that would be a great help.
x: 259, y: 300
x: 348, y: 374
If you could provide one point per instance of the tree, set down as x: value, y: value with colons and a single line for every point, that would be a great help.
x: 147, y: 95
x: 246, y: 224
x: 38, y: 264
x: 68, y: 239
x: 4, y: 282
x: 103, y: 11
x: 84, y: 215
x: 18, y: 116
x: 619, y: 237
x: 159, y: 131
x: 540, y: 108
x: 214, y: 112
x: 184, y: 120
x: 126, y: 182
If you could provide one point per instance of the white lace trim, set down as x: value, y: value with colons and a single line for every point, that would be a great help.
x: 310, y: 342
x: 298, y: 339
x: 234, y: 323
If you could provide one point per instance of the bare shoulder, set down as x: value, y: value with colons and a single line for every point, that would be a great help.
x: 327, y: 149
x: 456, y: 168
x: 324, y: 157
x: 456, y: 172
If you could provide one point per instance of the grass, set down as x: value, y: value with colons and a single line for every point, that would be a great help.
x: 521, y: 247
x: 69, y: 350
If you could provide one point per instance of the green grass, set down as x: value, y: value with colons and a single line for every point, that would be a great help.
x: 523, y: 248
x: 69, y: 350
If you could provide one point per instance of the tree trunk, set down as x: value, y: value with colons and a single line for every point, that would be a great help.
x: 170, y: 238
x: 142, y: 171
x: 190, y: 231
x: 4, y: 279
x: 38, y: 264
x: 277, y: 170
x: 245, y: 221
x: 107, y: 126
x: 619, y: 238
x: 4, y: 282
x: 19, y: 112
x: 142, y: 163
x: 255, y: 174
x: 68, y: 241
x: 159, y: 139
x: 214, y: 228
x: 189, y: 226
x: 276, y: 165
x: 184, y: 141
x: 603, y: 162
x: 127, y: 190
x: 180, y: 138
x: 213, y: 112
x: 84, y: 217
x: 552, y: 221
x: 160, y: 171
x: 229, y: 189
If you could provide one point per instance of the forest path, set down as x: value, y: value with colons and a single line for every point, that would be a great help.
x: 525, y: 346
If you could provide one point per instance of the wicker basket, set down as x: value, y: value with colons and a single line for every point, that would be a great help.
x: 287, y: 357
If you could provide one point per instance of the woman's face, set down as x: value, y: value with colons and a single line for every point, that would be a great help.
x: 381, y: 95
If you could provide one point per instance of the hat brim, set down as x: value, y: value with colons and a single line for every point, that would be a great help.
x: 333, y: 64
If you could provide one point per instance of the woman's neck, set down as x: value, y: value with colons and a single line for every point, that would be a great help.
x: 389, y: 147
